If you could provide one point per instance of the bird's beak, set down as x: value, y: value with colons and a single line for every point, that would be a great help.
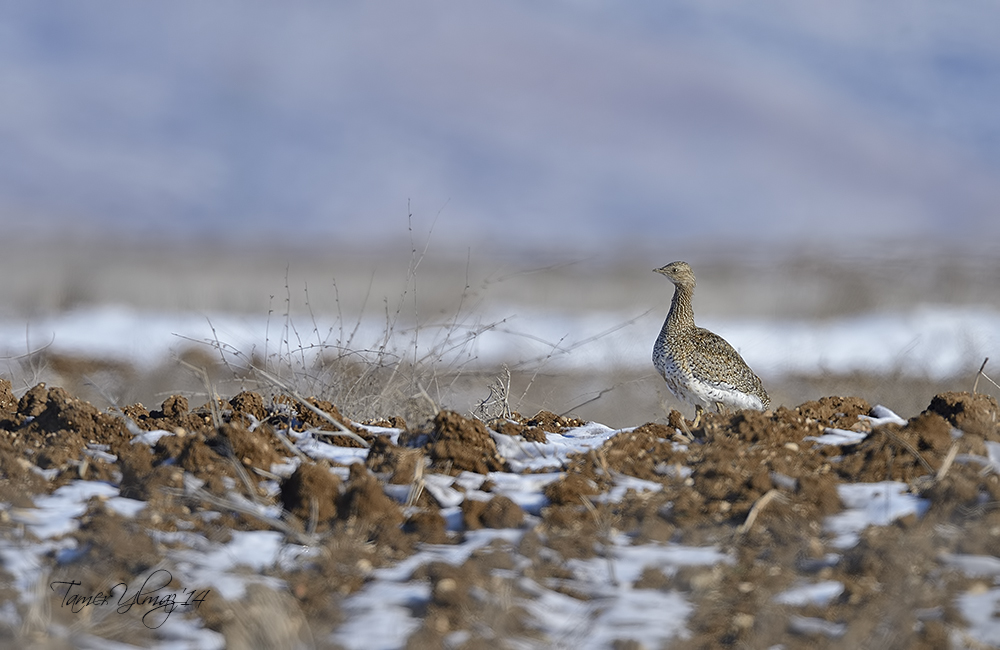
x: 662, y: 269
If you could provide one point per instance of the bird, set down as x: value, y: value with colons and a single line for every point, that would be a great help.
x: 699, y: 366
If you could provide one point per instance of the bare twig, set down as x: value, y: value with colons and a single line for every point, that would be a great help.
x: 910, y: 448
x: 219, y: 347
x: 267, y: 329
x: 975, y: 384
x: 538, y: 369
x: 423, y: 393
x: 417, y: 486
x: 100, y: 391
x: 245, y: 479
x: 600, y: 394
x: 948, y: 460
x: 212, y: 398
x: 285, y: 440
x: 313, y: 516
x: 30, y: 353
x: 979, y: 374
x: 759, y: 505
x: 342, y: 430
x: 229, y: 504
x: 495, y: 405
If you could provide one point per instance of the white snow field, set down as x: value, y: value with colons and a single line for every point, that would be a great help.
x: 932, y: 341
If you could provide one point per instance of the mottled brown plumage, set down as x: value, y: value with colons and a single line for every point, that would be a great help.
x: 700, y: 367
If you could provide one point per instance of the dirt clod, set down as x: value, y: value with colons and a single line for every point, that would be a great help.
x: 363, y: 501
x: 250, y: 404
x: 399, y: 463
x: 428, y: 526
x: 498, y: 512
x: 311, y: 494
x: 973, y: 413
x: 552, y: 423
x: 460, y: 444
x: 8, y: 402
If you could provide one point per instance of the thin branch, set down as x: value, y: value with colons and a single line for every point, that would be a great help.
x: 983, y: 374
x: 759, y: 505
x: 910, y: 448
x: 221, y: 503
x: 342, y: 430
x: 213, y: 404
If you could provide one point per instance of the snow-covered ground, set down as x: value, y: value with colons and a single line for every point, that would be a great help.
x: 930, y: 341
x: 379, y: 615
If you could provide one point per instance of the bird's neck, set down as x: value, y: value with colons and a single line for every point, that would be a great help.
x: 681, y: 314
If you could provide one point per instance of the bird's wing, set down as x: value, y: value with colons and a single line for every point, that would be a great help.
x: 714, y: 358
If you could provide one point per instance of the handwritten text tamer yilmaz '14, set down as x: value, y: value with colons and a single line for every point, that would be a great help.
x: 151, y: 598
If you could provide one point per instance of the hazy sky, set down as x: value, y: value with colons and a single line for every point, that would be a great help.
x: 570, y: 123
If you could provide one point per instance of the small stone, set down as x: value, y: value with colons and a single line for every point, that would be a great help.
x: 978, y: 589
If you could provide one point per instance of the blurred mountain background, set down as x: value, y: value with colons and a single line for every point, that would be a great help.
x: 524, y: 125
x: 813, y: 162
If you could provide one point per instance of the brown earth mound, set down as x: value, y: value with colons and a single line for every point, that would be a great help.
x: 460, y: 444
x: 311, y: 494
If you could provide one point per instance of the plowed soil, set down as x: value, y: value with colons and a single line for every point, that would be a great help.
x: 757, y: 486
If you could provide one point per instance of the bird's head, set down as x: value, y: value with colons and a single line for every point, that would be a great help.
x: 679, y: 273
